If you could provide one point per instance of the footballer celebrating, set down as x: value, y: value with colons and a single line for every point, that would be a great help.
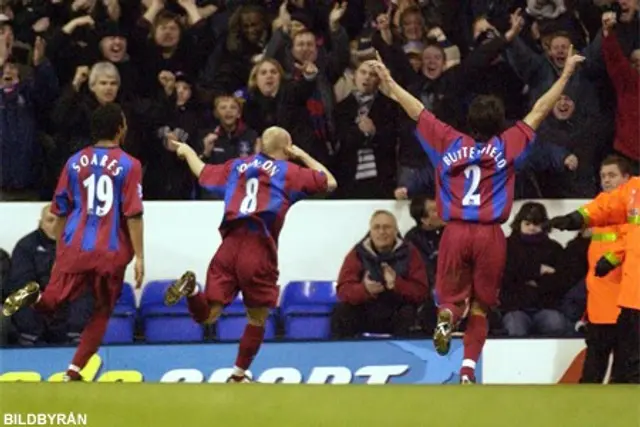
x: 475, y: 183
x: 258, y: 191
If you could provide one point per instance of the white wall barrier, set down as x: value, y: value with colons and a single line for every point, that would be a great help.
x: 315, y: 239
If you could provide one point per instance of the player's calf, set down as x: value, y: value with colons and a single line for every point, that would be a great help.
x: 474, y: 339
x: 250, y: 342
x: 23, y: 297
x: 183, y: 287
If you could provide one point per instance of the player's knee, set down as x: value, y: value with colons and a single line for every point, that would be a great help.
x: 257, y: 316
x: 478, y: 309
x: 214, y: 314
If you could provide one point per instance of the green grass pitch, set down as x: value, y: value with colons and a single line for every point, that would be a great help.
x: 262, y: 405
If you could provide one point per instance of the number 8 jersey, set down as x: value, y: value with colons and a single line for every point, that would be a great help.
x: 260, y: 189
x: 98, y: 189
x: 474, y: 180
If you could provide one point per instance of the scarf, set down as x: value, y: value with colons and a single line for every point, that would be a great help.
x: 316, y: 110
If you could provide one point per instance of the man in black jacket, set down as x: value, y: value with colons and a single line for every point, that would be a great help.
x: 31, y: 261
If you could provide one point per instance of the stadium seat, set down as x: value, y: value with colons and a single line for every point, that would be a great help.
x: 121, y: 326
x: 231, y: 324
x: 166, y: 324
x: 306, y: 309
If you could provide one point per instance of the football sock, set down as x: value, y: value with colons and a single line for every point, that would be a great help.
x: 249, y: 345
x: 474, y: 338
x: 90, y: 339
x: 199, y: 307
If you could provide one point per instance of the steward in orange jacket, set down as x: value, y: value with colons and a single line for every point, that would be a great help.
x: 619, y: 207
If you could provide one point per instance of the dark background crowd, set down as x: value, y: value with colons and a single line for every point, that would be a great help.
x: 217, y: 73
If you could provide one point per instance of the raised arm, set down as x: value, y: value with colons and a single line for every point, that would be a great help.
x: 411, y: 105
x: 545, y: 104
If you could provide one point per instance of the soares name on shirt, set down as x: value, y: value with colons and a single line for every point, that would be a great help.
x: 471, y: 153
x: 98, y: 160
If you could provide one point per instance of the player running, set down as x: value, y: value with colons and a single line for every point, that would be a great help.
x: 475, y: 181
x: 618, y: 207
x: 98, y: 209
x: 258, y: 191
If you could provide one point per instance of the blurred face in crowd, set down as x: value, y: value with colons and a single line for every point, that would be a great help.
x: 114, y: 49
x: 432, y: 62
x: 413, y: 27
x: 564, y: 108
x: 10, y: 75
x: 167, y: 34
x: 559, y: 50
x: 635, y: 59
x: 268, y: 79
x: 183, y: 93
x: 252, y: 25
x: 611, y: 177
x: 528, y: 228
x: 383, y: 230
x: 431, y: 220
x: 415, y: 59
x: 105, y: 88
x: 304, y: 47
x: 367, y: 80
x: 47, y: 220
x: 228, y: 111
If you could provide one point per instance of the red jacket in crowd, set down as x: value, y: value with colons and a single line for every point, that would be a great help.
x: 411, y: 276
x: 626, y: 82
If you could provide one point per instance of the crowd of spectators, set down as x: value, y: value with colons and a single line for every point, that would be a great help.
x: 217, y: 73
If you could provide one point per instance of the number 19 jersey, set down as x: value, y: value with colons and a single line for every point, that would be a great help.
x: 474, y: 180
x: 98, y: 189
x: 260, y: 190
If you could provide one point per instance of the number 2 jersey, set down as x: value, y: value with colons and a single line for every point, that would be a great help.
x: 474, y: 180
x: 258, y: 191
x: 98, y: 189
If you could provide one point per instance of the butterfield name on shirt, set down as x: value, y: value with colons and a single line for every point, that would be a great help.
x: 101, y: 160
x: 471, y: 153
x: 40, y: 419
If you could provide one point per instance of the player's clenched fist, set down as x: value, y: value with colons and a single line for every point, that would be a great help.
x: 180, y: 148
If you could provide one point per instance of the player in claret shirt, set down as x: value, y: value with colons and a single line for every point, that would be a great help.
x: 258, y: 191
x: 475, y: 180
x: 98, y: 209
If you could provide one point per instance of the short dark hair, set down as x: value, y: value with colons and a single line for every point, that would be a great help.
x: 417, y: 208
x: 106, y: 122
x: 486, y: 117
x: 623, y: 164
x: 533, y: 212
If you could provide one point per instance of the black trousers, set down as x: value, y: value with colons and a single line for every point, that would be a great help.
x: 349, y: 321
x: 623, y: 341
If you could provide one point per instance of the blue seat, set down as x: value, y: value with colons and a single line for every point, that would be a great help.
x: 121, y: 326
x: 306, y: 309
x: 166, y: 324
x: 233, y: 320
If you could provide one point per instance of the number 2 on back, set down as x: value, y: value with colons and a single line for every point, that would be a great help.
x: 472, y: 197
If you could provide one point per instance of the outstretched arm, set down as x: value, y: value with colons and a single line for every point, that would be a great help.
x: 545, y: 104
x: 187, y: 153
